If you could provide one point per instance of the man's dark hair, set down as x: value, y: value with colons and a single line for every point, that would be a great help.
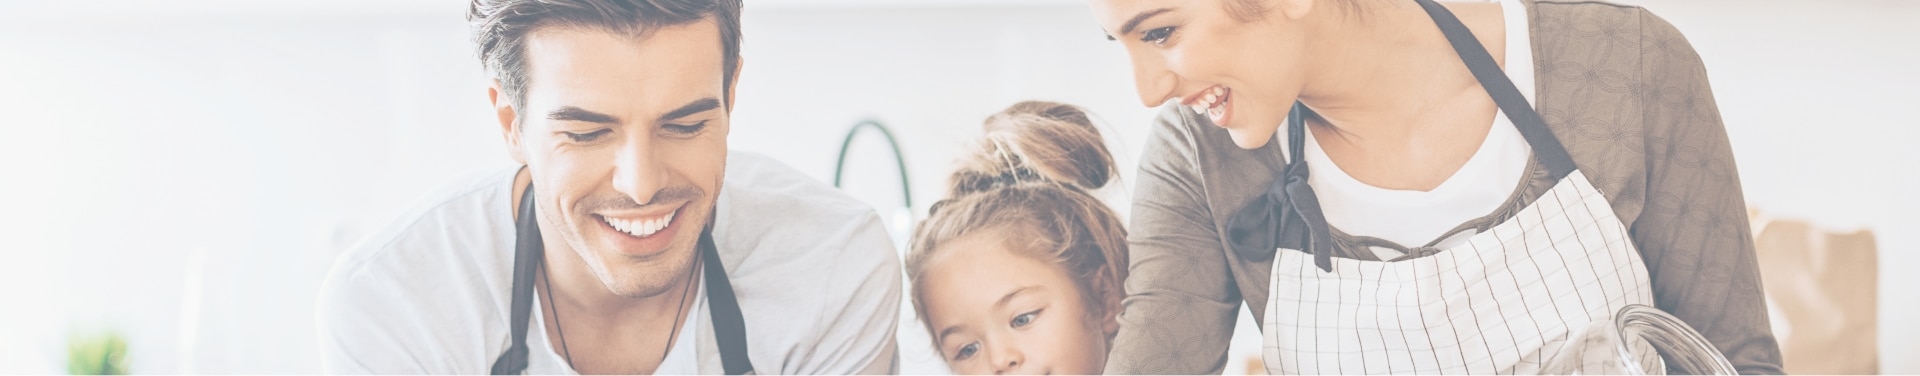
x: 500, y: 29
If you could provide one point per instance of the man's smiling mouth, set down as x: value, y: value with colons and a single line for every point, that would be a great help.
x: 640, y: 227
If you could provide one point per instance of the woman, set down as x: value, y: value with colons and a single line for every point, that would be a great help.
x: 1484, y: 177
x: 1020, y: 269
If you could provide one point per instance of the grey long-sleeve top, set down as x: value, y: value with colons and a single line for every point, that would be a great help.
x: 1620, y: 88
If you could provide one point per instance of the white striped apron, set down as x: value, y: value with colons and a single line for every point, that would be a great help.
x: 1503, y: 303
x: 1500, y: 304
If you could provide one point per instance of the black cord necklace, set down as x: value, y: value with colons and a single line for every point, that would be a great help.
x: 554, y: 311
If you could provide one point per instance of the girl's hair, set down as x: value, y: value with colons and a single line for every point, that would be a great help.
x: 1029, y: 181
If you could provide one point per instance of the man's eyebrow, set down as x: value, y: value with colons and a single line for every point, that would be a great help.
x: 697, y: 106
x: 571, y: 113
x: 1134, y: 23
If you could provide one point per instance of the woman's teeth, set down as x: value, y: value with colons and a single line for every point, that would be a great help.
x: 640, y: 228
x: 1211, y: 100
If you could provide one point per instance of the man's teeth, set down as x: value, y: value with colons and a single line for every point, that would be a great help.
x: 640, y: 228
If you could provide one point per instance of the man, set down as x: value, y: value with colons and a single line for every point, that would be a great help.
x: 616, y: 247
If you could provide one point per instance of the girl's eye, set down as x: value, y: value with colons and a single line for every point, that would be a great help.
x: 1024, y: 319
x: 686, y: 129
x: 967, y: 351
x: 1157, y: 36
x: 589, y: 136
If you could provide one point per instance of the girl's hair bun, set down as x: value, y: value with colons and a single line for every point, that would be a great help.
x: 1037, y: 142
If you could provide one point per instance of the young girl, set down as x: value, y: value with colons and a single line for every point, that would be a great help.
x: 1020, y: 269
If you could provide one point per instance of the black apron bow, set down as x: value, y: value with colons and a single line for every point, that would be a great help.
x: 1288, y: 214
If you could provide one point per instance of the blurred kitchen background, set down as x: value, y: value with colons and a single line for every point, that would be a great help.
x: 181, y: 174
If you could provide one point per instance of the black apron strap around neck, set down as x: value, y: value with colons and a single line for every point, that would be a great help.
x: 729, y: 327
x: 527, y: 253
x: 1546, y: 149
x: 1288, y: 214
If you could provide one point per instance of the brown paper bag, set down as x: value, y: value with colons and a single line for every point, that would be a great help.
x: 1824, y: 288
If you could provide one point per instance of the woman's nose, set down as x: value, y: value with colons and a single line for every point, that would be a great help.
x: 1152, y: 80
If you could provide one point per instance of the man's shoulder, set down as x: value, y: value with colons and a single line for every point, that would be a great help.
x: 759, y: 179
x: 462, y: 220
x: 768, y: 205
x: 771, y: 216
x: 810, y: 265
x: 423, y: 285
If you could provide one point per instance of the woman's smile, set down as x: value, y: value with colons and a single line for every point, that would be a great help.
x: 1215, y: 101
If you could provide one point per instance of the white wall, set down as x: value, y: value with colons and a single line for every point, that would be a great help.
x: 220, y: 153
x: 1816, y: 96
x: 259, y: 141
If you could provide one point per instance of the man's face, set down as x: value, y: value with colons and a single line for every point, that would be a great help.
x: 625, y: 139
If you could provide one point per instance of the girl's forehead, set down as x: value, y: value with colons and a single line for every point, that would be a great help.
x: 984, y: 273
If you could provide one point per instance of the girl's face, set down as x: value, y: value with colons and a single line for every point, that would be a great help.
x: 994, y: 311
x: 1245, y: 74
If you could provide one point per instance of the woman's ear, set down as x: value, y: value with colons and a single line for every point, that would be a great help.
x: 1111, y: 323
x: 503, y: 111
x: 1295, y: 9
x: 1112, y: 304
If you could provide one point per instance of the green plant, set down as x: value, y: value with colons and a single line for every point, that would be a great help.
x: 103, y: 353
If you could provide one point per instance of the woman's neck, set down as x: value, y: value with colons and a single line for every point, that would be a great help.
x: 1386, y: 68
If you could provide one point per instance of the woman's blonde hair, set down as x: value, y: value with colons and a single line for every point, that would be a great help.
x: 1030, y: 180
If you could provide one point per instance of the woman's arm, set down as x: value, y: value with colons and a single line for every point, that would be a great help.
x: 1181, y: 300
x: 1694, y: 228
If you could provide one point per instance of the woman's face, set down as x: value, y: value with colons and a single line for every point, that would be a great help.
x: 993, y: 311
x: 1245, y: 74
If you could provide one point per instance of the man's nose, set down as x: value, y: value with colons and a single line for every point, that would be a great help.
x: 637, y: 172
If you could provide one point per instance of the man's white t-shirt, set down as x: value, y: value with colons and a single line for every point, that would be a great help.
x: 814, y: 271
x: 1415, y: 218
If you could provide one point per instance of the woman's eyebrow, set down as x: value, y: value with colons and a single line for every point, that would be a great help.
x: 1134, y: 23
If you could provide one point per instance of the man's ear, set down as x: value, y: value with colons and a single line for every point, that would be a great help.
x: 733, y: 86
x: 504, y: 112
